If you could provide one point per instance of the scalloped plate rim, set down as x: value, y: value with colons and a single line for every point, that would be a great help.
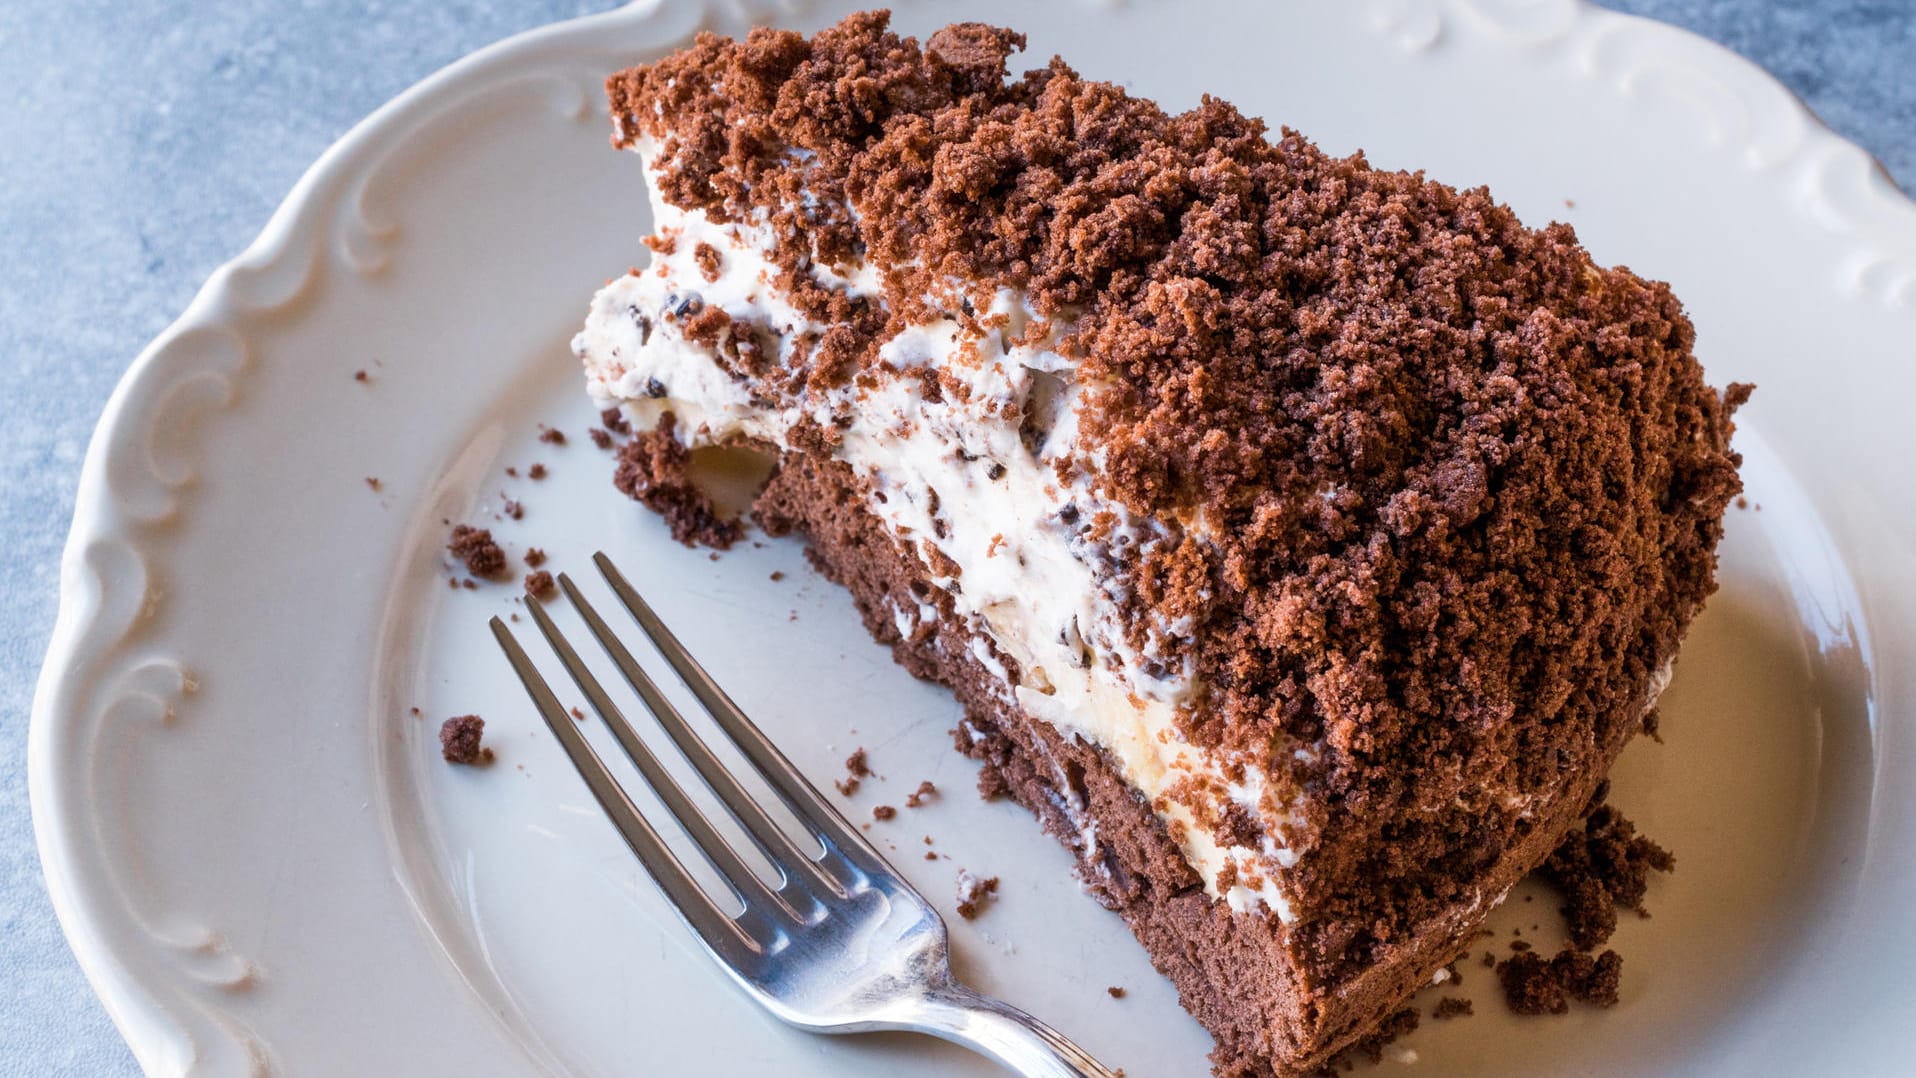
x: 95, y: 516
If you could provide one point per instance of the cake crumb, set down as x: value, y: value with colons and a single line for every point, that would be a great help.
x: 534, y: 557
x: 652, y: 471
x: 1742, y: 502
x: 537, y: 471
x: 361, y: 376
x: 469, y: 584
x: 1115, y: 992
x: 974, y: 893
x: 599, y: 437
x: 883, y: 812
x: 1371, y: 1046
x: 923, y: 793
x: 1451, y: 1007
x: 539, y: 585
x: 459, y: 739
x: 514, y: 510
x: 777, y: 575
x: 552, y: 435
x: 373, y: 482
x: 415, y: 712
x: 614, y: 420
x: 577, y: 714
x: 474, y: 547
x: 931, y: 855
x: 1533, y: 984
x: 856, y: 770
x: 512, y: 471
x: 1600, y: 867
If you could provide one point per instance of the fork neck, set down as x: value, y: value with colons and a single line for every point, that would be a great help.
x: 994, y: 1028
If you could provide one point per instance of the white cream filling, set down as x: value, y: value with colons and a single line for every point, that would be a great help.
x: 955, y: 475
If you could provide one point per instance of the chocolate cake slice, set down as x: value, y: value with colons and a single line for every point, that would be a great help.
x: 1303, y: 540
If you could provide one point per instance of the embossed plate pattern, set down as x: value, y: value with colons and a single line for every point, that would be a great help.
x: 264, y: 868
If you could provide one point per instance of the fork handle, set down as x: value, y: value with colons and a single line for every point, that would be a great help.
x: 1005, y: 1033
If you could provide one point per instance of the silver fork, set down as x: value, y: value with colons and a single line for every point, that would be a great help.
x: 842, y: 944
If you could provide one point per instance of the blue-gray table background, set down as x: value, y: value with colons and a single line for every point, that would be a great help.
x: 144, y: 142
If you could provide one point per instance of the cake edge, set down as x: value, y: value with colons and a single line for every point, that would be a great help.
x: 1266, y: 1022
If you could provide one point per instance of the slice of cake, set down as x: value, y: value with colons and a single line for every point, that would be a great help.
x: 1303, y: 540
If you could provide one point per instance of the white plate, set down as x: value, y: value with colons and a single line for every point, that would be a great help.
x: 263, y: 865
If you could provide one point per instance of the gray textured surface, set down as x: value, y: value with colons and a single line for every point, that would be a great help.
x: 113, y: 210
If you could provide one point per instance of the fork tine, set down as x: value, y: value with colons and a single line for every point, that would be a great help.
x: 771, y: 763
x: 712, y: 925
x: 736, y: 873
x: 771, y: 841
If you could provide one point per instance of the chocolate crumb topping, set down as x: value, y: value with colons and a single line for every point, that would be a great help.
x: 1435, y: 495
x: 1461, y: 487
